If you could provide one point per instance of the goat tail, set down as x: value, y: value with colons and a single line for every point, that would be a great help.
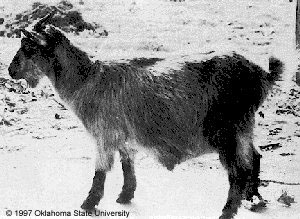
x: 276, y: 68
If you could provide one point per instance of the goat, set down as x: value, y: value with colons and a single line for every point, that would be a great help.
x: 202, y: 106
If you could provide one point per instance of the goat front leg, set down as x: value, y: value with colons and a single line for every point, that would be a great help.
x: 96, y: 192
x: 104, y: 162
x: 129, y: 186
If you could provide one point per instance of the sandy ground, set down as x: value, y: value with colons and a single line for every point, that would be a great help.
x: 47, y: 162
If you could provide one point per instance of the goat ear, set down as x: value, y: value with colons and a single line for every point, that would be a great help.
x: 26, y: 33
x: 38, y: 38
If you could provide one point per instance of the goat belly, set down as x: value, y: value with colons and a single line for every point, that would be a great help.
x: 169, y: 159
x: 168, y: 152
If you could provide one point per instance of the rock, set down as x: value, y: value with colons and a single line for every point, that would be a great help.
x: 269, y: 147
x: 57, y: 116
x: 66, y: 18
x: 286, y: 199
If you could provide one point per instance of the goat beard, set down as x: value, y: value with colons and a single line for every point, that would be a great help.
x: 32, y: 78
x: 32, y: 83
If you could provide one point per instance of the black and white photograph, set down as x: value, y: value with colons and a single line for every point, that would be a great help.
x: 151, y: 109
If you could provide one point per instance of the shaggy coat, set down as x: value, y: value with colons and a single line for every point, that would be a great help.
x: 200, y: 107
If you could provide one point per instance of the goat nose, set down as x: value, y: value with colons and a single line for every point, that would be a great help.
x: 12, y: 73
x: 9, y: 70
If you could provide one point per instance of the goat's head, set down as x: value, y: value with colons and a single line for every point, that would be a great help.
x: 34, y: 59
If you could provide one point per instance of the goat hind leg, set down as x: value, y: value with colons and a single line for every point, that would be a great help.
x: 250, y: 160
x: 237, y: 183
x: 252, y: 186
x: 243, y: 169
x: 129, y: 186
x: 237, y: 157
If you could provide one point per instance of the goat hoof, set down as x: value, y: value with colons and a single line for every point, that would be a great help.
x: 260, y: 206
x: 90, y: 202
x: 125, y: 197
x: 226, y: 216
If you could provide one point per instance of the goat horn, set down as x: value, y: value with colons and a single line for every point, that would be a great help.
x: 40, y: 25
x: 38, y: 38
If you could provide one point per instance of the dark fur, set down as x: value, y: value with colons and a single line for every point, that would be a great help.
x: 205, y: 106
x: 144, y: 62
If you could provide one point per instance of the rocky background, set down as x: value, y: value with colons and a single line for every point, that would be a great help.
x: 46, y: 158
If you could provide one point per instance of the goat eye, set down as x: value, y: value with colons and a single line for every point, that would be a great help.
x: 29, y: 51
x: 28, y: 48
